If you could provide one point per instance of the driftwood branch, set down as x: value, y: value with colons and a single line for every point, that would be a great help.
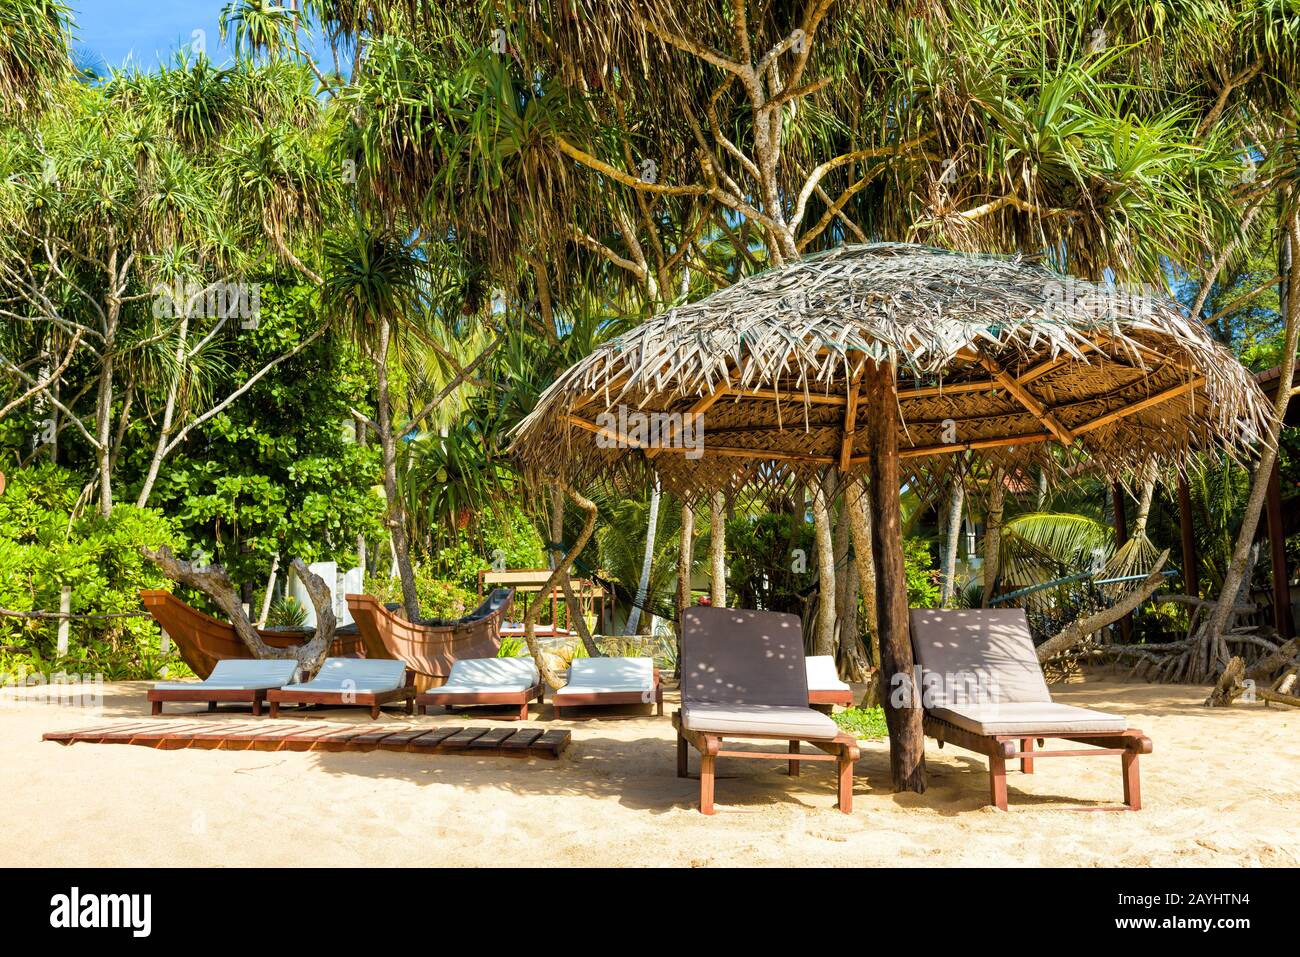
x: 214, y: 582
x: 558, y: 573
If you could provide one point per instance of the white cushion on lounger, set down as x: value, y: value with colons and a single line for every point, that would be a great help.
x: 823, y: 675
x: 758, y: 719
x: 490, y: 676
x: 240, y: 674
x: 609, y: 676
x: 1034, y: 717
x: 357, y: 675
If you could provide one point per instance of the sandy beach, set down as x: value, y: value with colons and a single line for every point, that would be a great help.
x: 1219, y: 790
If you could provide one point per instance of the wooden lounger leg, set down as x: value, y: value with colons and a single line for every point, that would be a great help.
x: 794, y: 765
x: 157, y: 708
x: 1132, y: 781
x: 1027, y: 764
x: 523, y: 711
x: 257, y: 706
x: 275, y: 709
x: 555, y: 710
x: 681, y: 756
x: 707, y: 764
x: 998, y: 781
x: 410, y: 706
x: 845, y: 802
x: 212, y: 706
x: 374, y: 712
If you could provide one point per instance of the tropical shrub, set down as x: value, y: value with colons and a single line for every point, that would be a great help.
x: 922, y: 576
x: 49, y: 539
x: 438, y: 598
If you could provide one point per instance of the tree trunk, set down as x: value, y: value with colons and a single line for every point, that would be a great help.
x: 718, y: 551
x: 270, y: 589
x: 952, y: 528
x: 901, y: 697
x: 993, y: 534
x: 169, y: 410
x: 850, y: 658
x: 1187, y: 535
x: 552, y: 582
x: 1211, y: 648
x: 574, y: 610
x: 855, y: 501
x: 823, y: 494
x: 685, y: 560
x: 685, y: 552
x: 396, y: 520
x: 104, y: 407
x: 647, y: 561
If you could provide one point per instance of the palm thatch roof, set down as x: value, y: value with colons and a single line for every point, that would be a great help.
x: 993, y: 355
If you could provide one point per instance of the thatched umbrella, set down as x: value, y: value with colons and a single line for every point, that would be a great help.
x: 869, y: 356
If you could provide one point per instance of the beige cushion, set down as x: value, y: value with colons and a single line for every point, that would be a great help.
x: 610, y: 676
x: 239, y: 674
x: 353, y: 675
x: 1036, y: 718
x: 745, y: 719
x: 976, y: 656
x: 490, y: 676
x: 823, y: 675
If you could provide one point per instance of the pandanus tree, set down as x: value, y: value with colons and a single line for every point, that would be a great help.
x: 34, y: 52
x: 130, y: 252
x: 375, y: 287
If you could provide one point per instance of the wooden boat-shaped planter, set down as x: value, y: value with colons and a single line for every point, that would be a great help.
x: 430, y: 649
x: 203, y: 640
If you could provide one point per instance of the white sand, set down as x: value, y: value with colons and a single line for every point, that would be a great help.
x: 1222, y: 788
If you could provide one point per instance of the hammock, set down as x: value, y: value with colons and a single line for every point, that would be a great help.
x: 1051, y: 606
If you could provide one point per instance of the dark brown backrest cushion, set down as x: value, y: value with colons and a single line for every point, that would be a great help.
x: 737, y: 656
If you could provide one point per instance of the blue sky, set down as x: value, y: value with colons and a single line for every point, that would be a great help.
x: 145, y: 31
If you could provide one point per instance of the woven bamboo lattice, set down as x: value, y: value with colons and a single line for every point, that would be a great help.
x: 993, y: 355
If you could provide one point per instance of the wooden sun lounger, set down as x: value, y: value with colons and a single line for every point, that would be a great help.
x: 512, y: 682
x: 997, y: 643
x: 745, y: 668
x: 330, y: 687
x: 1001, y: 748
x: 242, y: 681
x: 610, y: 681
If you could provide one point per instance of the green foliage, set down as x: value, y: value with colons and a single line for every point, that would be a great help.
x: 922, y: 576
x: 286, y: 611
x: 765, y: 568
x: 503, y: 537
x: 512, y: 647
x: 438, y: 598
x: 277, y: 472
x: 48, y: 540
x: 863, y: 723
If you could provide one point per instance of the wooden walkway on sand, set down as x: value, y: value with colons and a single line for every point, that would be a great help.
x: 266, y: 735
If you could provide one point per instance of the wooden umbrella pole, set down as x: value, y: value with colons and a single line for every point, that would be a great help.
x: 901, y: 697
